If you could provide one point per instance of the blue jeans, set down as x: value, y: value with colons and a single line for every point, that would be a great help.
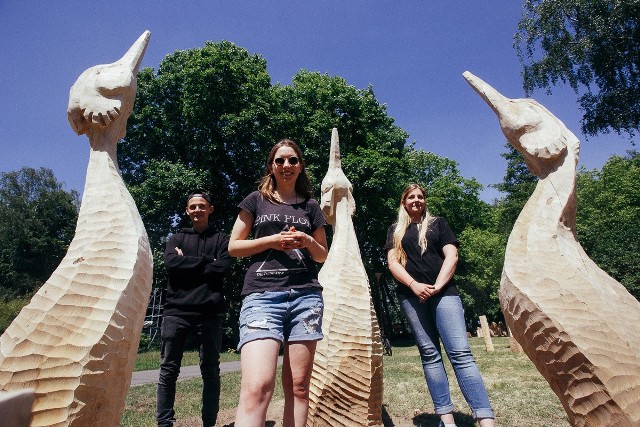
x: 174, y: 332
x: 441, y: 317
x: 286, y: 316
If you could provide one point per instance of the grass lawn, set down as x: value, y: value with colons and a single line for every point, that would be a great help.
x: 518, y: 393
x: 151, y: 359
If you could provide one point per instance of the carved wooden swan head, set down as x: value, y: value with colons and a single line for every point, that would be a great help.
x: 533, y: 130
x: 105, y: 93
x: 335, y: 185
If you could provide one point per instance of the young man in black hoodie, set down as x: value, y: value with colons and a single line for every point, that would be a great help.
x: 196, y: 260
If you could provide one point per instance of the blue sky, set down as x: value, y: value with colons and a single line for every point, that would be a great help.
x: 412, y: 53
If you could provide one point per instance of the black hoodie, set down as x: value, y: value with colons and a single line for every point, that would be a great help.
x: 196, y: 278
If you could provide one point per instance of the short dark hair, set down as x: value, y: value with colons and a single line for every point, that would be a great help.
x: 199, y: 192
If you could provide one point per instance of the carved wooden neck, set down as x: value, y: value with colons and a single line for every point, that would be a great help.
x: 552, y: 206
x: 103, y: 142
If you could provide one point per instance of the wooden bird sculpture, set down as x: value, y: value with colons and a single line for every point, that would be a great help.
x: 75, y: 343
x: 577, y: 324
x: 346, y: 383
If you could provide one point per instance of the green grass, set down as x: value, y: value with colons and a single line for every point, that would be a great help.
x: 9, y: 310
x: 518, y: 393
x: 141, y: 400
x: 151, y: 359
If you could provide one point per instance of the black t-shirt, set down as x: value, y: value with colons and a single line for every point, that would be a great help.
x: 275, y: 270
x: 425, y: 267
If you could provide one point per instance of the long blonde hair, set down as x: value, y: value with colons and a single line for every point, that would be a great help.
x: 403, y: 222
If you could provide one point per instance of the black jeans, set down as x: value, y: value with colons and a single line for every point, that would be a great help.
x: 174, y: 332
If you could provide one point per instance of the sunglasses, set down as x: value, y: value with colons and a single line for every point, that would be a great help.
x: 293, y: 160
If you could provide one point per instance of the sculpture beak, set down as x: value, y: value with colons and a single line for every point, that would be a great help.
x: 133, y: 57
x: 492, y: 97
x: 334, y: 153
x: 528, y: 126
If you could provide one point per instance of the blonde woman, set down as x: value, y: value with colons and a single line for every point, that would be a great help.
x: 282, y: 298
x: 422, y: 253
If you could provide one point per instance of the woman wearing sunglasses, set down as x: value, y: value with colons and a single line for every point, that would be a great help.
x: 282, y: 298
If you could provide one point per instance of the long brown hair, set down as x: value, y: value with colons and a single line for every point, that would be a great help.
x: 267, y: 184
x: 403, y: 222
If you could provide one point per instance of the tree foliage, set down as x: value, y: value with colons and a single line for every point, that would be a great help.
x: 208, y: 117
x: 37, y: 223
x: 517, y: 185
x: 9, y: 309
x: 371, y: 147
x: 198, y: 120
x: 449, y: 195
x: 482, y: 255
x: 608, y: 218
x: 594, y: 46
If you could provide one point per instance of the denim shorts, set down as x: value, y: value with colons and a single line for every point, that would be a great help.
x: 286, y: 316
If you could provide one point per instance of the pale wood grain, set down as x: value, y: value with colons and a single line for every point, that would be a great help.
x: 577, y: 324
x: 76, y: 342
x: 346, y: 383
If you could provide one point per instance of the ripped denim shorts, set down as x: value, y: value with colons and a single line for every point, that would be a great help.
x: 286, y: 316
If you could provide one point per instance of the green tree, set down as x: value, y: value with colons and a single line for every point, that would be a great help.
x: 371, y: 146
x: 198, y: 121
x: 161, y: 201
x: 478, y: 275
x: 208, y: 117
x: 594, y: 46
x: 608, y: 218
x: 449, y: 195
x: 37, y: 222
x: 517, y: 185
x: 10, y: 309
